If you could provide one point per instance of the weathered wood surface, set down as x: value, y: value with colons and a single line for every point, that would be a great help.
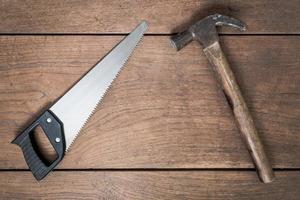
x: 198, y: 185
x: 114, y: 16
x: 164, y: 110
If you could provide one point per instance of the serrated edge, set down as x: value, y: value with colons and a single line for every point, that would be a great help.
x: 105, y: 93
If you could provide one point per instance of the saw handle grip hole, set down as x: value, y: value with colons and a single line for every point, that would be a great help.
x: 43, y: 146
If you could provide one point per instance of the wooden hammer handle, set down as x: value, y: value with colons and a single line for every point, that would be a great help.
x: 240, y: 110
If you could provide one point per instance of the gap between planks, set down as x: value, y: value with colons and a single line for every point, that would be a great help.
x: 146, y: 34
x: 156, y: 170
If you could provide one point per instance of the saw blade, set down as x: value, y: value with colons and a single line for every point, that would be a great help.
x: 78, y: 104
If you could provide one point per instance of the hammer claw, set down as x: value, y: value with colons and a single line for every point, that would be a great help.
x: 221, y: 20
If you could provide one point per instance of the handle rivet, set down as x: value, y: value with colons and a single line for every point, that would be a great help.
x: 57, y: 139
x: 49, y: 120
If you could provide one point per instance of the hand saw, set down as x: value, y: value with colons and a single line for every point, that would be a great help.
x: 63, y: 121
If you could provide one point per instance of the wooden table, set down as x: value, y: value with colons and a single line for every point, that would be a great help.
x: 164, y: 131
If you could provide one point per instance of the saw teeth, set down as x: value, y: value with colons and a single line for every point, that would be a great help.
x: 105, y: 93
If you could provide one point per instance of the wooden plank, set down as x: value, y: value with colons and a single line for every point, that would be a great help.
x: 164, y: 110
x: 149, y: 185
x: 113, y: 16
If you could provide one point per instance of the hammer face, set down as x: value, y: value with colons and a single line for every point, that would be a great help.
x: 180, y: 40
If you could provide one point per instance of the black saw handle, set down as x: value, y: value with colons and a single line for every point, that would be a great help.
x: 53, y: 129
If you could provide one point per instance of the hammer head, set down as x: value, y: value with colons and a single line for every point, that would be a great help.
x: 204, y: 31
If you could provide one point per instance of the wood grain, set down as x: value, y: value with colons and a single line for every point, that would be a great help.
x: 200, y: 185
x: 114, y: 16
x: 164, y: 110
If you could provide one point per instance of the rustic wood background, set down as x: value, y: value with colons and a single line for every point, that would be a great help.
x: 164, y: 131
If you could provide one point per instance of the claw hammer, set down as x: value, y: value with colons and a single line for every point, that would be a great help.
x: 205, y: 32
